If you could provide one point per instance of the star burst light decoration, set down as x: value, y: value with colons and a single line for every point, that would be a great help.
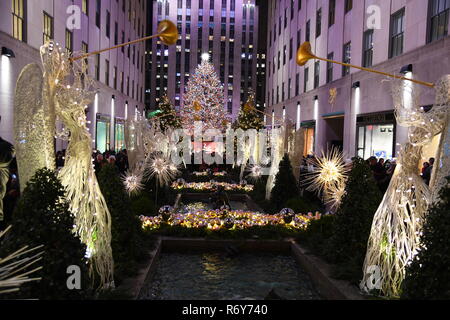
x: 255, y: 172
x: 329, y: 177
x: 133, y: 183
x: 13, y: 268
x: 163, y: 169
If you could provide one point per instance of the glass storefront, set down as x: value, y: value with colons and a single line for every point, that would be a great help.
x: 309, y: 129
x: 103, y: 133
x: 376, y: 136
x: 119, y: 135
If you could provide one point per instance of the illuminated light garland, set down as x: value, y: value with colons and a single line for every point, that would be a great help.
x: 220, y: 174
x: 214, y: 220
x: 200, y: 174
x: 211, y: 186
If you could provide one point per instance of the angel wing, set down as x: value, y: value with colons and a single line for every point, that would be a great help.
x: 33, y: 133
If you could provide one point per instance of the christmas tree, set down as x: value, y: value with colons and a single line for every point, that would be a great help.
x: 285, y: 184
x: 204, y: 99
x: 348, y: 244
x: 249, y: 117
x: 168, y: 117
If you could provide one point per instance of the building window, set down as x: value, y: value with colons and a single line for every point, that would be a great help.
x: 397, y: 28
x: 299, y: 37
x: 279, y: 59
x: 305, y: 80
x: 85, y: 49
x: 284, y: 55
x: 48, y: 28
x: 116, y: 33
x: 297, y: 84
x: 85, y: 6
x: 308, y: 30
x: 108, y: 24
x: 98, y: 13
x: 102, y: 139
x: 348, y: 5
x: 318, y: 22
x: 332, y: 13
x: 119, y: 135
x: 439, y: 13
x: 299, y: 5
x: 97, y: 67
x: 368, y: 48
x: 18, y: 21
x: 375, y: 140
x: 115, y: 77
x: 330, y: 67
x: 347, y: 58
x: 291, y: 49
x: 316, y: 74
x: 107, y: 72
x: 69, y: 40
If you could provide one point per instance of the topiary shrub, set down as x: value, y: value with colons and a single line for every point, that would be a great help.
x: 347, y: 247
x: 318, y: 233
x: 143, y: 205
x: 126, y: 228
x: 428, y: 276
x: 42, y: 217
x: 302, y: 205
x: 285, y: 186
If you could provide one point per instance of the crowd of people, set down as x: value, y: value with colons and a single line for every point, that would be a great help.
x: 382, y: 171
x: 119, y: 159
x: 10, y: 187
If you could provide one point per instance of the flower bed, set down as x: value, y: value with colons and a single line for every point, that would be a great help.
x: 216, y: 220
x: 194, y: 187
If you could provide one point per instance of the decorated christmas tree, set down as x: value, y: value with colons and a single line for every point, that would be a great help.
x: 168, y: 117
x: 204, y: 99
x: 249, y: 117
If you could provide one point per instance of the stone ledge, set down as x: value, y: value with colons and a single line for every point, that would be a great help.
x: 132, y: 286
x: 320, y: 273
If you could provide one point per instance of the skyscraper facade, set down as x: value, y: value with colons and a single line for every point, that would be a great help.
x: 342, y: 106
x: 79, y: 26
x: 227, y: 30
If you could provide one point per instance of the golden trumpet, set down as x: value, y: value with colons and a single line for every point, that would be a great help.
x: 167, y: 32
x: 304, y: 54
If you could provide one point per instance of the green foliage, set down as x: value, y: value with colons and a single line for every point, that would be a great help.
x: 248, y: 117
x: 428, y: 276
x: 143, y: 205
x: 318, y: 233
x: 269, y: 232
x: 168, y: 117
x: 42, y: 217
x: 302, y: 205
x: 125, y: 226
x: 285, y: 184
x: 348, y: 245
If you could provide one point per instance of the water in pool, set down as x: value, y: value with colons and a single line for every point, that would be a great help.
x: 213, y: 276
